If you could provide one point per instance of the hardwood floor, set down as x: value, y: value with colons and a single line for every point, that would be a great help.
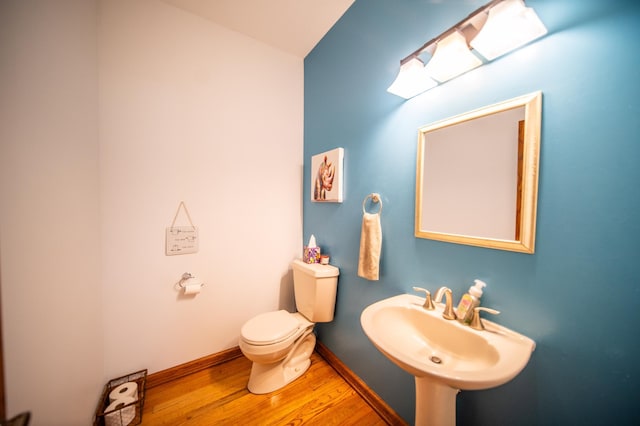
x: 218, y: 396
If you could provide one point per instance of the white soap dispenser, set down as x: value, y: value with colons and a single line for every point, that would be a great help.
x: 470, y: 300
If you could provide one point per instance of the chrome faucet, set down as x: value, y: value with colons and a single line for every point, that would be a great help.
x: 428, y: 303
x: 448, y: 312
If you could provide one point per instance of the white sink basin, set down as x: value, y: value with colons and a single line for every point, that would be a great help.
x: 444, y: 355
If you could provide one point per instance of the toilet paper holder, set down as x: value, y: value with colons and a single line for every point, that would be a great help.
x: 186, y: 277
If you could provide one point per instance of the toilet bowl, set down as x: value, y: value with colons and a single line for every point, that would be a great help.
x: 280, y: 343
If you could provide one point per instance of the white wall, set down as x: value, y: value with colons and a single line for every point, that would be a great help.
x: 192, y: 111
x: 93, y: 163
x: 49, y: 209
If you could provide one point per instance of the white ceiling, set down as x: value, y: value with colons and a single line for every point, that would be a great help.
x: 294, y: 26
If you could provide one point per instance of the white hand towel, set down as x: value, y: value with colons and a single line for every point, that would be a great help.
x: 370, y: 245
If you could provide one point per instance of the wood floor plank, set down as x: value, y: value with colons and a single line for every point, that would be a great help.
x: 218, y: 396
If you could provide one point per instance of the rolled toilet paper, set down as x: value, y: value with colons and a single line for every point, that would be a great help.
x: 123, y: 415
x: 193, y: 288
x: 129, y: 389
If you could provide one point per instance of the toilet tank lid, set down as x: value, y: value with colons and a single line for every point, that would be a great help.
x: 316, y: 269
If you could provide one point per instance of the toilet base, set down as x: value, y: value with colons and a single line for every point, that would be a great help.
x: 266, y: 378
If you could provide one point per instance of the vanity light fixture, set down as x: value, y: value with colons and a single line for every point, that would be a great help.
x: 494, y: 29
x: 451, y: 58
x: 412, y: 79
x: 510, y: 24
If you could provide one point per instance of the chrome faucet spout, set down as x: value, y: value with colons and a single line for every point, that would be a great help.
x: 439, y: 293
x: 448, y: 312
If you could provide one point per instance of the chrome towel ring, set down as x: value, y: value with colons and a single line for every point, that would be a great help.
x: 375, y: 198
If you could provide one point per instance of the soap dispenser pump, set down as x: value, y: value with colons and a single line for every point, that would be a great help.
x: 469, y: 301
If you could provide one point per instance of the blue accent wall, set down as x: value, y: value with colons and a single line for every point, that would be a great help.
x: 578, y: 296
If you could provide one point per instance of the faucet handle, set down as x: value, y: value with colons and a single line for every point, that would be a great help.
x: 428, y: 303
x: 476, y: 321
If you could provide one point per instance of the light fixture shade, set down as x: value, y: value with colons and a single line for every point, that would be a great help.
x: 510, y: 25
x: 451, y: 58
x: 411, y: 80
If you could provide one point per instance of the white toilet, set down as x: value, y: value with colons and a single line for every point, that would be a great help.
x: 280, y: 343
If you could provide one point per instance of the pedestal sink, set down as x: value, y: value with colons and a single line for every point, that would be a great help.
x: 445, y: 356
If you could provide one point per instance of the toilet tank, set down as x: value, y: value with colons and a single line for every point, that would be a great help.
x: 315, y: 288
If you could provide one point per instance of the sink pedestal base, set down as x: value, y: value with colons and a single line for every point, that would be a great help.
x: 435, y: 403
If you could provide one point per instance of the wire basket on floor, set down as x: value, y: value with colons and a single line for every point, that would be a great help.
x: 126, y: 411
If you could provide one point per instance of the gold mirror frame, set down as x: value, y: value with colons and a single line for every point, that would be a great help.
x: 528, y: 196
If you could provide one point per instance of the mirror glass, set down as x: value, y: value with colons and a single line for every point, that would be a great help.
x: 477, y: 176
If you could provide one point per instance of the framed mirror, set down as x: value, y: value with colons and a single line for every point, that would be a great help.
x: 477, y: 176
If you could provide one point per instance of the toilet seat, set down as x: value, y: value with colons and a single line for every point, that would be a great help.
x: 270, y: 328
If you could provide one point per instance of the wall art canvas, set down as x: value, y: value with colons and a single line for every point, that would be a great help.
x: 327, y: 177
